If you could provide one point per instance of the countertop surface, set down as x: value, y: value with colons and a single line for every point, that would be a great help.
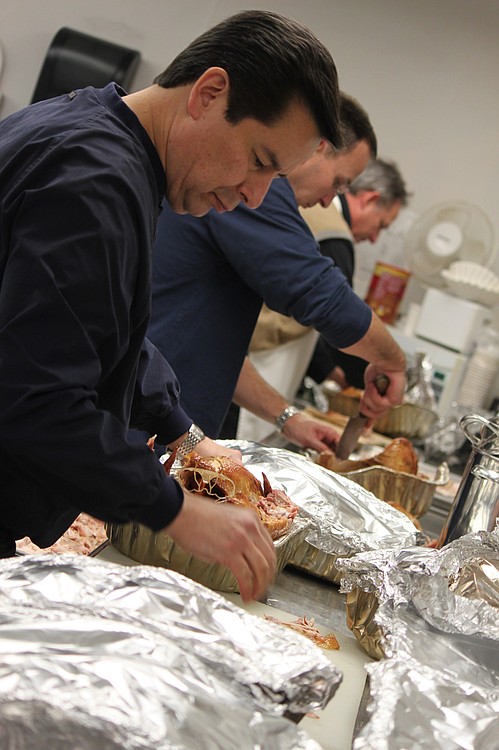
x: 296, y: 594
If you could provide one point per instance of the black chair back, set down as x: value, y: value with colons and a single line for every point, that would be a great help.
x: 75, y: 60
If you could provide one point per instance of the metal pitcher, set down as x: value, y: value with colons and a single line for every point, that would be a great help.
x: 476, y: 505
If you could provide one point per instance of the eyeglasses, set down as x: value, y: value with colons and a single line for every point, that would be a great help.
x: 341, y: 186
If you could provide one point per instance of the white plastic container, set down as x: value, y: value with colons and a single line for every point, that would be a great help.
x: 481, y: 371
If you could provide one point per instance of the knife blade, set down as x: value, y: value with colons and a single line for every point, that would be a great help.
x: 357, y: 424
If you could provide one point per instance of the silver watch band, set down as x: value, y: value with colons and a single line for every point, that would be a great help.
x: 194, y: 436
x: 286, y: 414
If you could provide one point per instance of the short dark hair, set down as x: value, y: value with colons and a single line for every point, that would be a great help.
x: 271, y: 61
x: 356, y: 124
x: 384, y: 177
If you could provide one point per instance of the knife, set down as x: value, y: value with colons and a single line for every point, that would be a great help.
x: 356, y: 425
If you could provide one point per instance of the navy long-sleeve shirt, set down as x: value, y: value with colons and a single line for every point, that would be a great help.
x: 80, y: 389
x: 210, y: 277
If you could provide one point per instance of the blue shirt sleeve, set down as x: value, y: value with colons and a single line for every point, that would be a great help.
x: 273, y: 249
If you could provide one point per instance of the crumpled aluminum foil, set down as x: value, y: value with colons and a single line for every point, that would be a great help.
x: 439, y: 685
x: 95, y: 654
x: 346, y: 518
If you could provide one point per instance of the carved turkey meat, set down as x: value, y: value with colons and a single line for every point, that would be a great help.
x: 222, y: 478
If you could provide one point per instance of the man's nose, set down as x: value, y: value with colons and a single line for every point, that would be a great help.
x: 254, y: 189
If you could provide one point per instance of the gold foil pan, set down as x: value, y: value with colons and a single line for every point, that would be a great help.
x: 317, y: 562
x: 361, y: 607
x: 155, y: 548
x: 412, y: 492
x: 407, y: 420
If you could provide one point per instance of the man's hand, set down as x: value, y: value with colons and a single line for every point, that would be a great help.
x: 229, y: 535
x: 308, y: 432
x: 373, y: 405
x: 209, y: 447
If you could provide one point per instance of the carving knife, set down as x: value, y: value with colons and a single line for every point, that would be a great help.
x: 356, y: 425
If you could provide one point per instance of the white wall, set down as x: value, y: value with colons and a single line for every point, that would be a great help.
x: 427, y: 71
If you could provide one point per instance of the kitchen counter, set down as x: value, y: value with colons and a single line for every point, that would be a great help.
x: 295, y: 594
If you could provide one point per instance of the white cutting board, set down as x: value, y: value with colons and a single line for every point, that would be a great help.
x: 334, y: 729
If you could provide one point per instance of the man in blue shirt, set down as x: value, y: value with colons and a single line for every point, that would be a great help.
x: 82, y: 177
x: 211, y: 276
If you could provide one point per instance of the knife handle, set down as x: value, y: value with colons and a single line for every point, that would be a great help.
x: 382, y: 382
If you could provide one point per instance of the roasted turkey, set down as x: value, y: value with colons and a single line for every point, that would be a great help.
x: 224, y: 479
x: 398, y: 455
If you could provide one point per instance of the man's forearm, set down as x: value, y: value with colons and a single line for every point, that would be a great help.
x: 256, y: 395
x: 379, y: 347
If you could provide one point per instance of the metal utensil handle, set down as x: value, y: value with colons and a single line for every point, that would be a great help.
x: 469, y: 419
x: 482, y: 473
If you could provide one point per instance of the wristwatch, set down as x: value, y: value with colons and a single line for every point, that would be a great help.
x: 286, y: 414
x: 194, y: 436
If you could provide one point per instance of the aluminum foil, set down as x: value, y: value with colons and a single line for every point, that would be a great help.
x: 151, y: 548
x: 101, y: 655
x: 345, y: 518
x: 439, y: 685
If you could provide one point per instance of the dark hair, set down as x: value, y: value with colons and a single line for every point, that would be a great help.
x: 356, y: 124
x: 385, y: 177
x: 270, y: 60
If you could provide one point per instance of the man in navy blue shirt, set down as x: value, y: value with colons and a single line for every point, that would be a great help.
x: 82, y: 177
x: 211, y: 276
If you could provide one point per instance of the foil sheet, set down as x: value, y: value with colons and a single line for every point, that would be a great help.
x: 101, y: 655
x: 438, y: 686
x: 151, y: 548
x: 345, y: 518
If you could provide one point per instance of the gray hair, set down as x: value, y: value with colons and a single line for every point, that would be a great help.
x: 383, y: 176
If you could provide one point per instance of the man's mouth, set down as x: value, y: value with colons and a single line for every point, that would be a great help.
x: 219, y: 206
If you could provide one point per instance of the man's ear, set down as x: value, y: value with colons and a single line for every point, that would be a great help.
x: 369, y: 197
x: 212, y: 87
x: 324, y: 148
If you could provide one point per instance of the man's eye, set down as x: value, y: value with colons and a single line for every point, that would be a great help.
x: 259, y: 163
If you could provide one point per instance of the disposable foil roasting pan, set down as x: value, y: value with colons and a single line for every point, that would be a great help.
x: 407, y: 420
x: 97, y: 655
x: 153, y: 548
x: 412, y: 492
x: 344, y: 517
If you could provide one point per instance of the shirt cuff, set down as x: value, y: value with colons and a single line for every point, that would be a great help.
x: 172, y: 426
x: 166, y: 507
